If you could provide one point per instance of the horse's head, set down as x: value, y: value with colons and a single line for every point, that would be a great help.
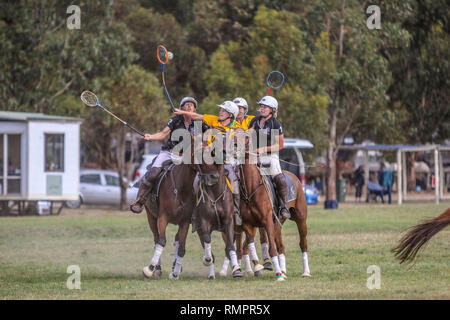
x: 209, y: 173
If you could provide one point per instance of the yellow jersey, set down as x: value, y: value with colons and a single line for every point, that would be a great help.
x: 213, y: 122
x: 245, y: 122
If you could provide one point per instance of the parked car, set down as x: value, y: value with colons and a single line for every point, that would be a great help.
x: 100, y: 187
x: 142, y: 169
x: 291, y: 158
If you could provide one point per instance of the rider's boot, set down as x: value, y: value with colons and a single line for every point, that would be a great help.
x: 282, y: 192
x: 146, y: 185
x: 237, y: 212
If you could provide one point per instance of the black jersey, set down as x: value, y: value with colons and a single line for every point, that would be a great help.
x: 175, y: 123
x: 263, y: 134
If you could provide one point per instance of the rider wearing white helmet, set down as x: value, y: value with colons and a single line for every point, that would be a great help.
x: 264, y: 125
x: 226, y: 120
x: 177, y: 122
x: 243, y: 120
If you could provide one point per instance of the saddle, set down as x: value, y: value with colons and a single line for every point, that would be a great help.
x: 154, y: 193
x: 273, y: 196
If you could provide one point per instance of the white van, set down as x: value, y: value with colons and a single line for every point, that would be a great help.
x: 291, y: 158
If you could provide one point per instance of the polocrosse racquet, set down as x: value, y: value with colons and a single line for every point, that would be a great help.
x: 90, y: 99
x: 163, y: 57
x: 274, y: 80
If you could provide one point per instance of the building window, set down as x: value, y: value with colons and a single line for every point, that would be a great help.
x: 54, y: 152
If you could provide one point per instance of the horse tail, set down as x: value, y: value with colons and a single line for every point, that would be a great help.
x: 419, y: 235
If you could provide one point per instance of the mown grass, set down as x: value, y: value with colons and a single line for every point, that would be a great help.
x: 111, y: 247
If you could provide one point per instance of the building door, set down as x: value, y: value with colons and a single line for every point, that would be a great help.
x: 10, y: 164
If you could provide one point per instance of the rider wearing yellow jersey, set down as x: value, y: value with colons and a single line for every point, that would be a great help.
x: 227, y: 121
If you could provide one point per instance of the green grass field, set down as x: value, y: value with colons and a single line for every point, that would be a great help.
x: 111, y: 247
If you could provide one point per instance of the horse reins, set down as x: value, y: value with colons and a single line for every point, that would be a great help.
x: 213, y: 202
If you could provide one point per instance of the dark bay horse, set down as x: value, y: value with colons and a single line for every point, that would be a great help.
x: 214, y: 211
x: 419, y: 235
x: 175, y: 203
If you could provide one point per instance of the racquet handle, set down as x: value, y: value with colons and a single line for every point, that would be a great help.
x: 133, y: 128
x: 123, y: 122
x: 170, y: 100
x: 268, y: 92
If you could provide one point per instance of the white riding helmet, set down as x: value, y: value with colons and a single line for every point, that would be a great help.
x: 188, y: 99
x: 231, y: 107
x: 269, y: 101
x: 241, y: 102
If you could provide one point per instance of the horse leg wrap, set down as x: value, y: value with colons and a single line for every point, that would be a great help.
x: 306, y: 271
x: 226, y: 263
x: 156, y: 255
x: 248, y: 266
x: 254, y: 255
x: 208, y: 255
x: 178, y: 264
x: 211, y: 272
x: 265, y: 251
x: 282, y: 259
x: 276, y: 265
x: 176, y: 244
x: 233, y: 258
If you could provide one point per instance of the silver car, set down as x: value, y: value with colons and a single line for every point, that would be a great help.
x: 100, y: 187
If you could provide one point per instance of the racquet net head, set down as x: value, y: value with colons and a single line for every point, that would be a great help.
x: 89, y: 98
x: 162, y: 54
x: 275, y: 79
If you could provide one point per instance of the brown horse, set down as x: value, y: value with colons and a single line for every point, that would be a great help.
x: 175, y: 203
x: 256, y: 211
x: 419, y: 235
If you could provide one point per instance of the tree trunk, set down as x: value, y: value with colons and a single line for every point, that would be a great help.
x: 411, y: 173
x: 331, y: 157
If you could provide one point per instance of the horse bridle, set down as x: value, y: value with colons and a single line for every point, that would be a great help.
x: 203, y: 192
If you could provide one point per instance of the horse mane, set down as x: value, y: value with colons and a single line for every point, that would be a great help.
x: 419, y: 235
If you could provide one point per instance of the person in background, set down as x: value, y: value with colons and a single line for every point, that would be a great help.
x: 388, y: 179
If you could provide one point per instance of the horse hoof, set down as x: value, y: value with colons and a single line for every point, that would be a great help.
x: 237, y: 272
x: 172, y: 276
x: 306, y: 275
x: 284, y: 275
x: 268, y: 266
x: 207, y: 262
x: 259, y: 273
x: 223, y: 273
x: 211, y: 277
x: 249, y: 272
x: 157, y: 272
x: 258, y: 267
x: 148, y: 271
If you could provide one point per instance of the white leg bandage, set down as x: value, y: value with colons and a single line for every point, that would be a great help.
x: 211, y: 270
x: 251, y: 247
x: 305, y: 263
x: 282, y: 260
x: 156, y: 255
x: 233, y: 258
x: 265, y: 251
x: 226, y: 263
x: 248, y: 266
x: 276, y: 264
x: 208, y: 255
x: 178, y: 264
x: 176, y: 244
